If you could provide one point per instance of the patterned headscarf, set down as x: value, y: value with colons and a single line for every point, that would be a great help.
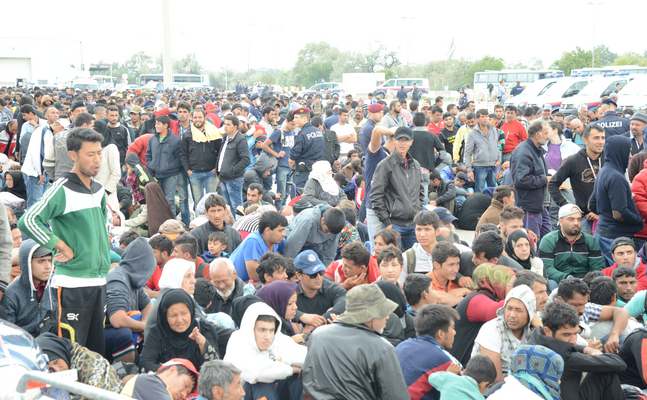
x: 492, y: 279
x: 539, y: 369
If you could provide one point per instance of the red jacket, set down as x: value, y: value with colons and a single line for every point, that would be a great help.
x: 639, y: 189
x: 215, y: 118
x: 174, y: 124
x: 640, y: 271
x: 139, y: 147
x: 334, y: 271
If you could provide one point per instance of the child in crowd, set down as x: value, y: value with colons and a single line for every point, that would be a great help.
x: 216, y: 246
x: 478, y: 376
x: 203, y: 294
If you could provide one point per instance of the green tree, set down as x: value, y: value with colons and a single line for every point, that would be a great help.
x: 484, y: 64
x: 577, y: 58
x: 268, y: 78
x: 190, y: 62
x: 138, y: 64
x: 604, y: 56
x: 631, y: 58
x: 316, y: 72
x: 378, y: 56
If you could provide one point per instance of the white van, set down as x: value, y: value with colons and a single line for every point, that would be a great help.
x: 592, y: 94
x: 393, y: 85
x: 82, y: 84
x: 537, y: 88
x: 561, y: 90
x: 634, y: 95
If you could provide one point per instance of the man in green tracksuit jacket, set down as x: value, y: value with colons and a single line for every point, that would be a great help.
x: 75, y: 206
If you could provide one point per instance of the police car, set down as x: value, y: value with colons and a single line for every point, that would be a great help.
x: 592, y: 94
x: 332, y: 87
x: 557, y: 93
x: 634, y: 95
x: 533, y: 90
x: 393, y: 85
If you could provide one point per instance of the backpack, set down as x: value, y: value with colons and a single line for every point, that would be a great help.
x: 144, y: 176
x: 411, y: 260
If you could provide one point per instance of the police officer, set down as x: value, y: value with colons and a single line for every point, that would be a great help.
x: 253, y: 110
x: 612, y: 124
x: 308, y: 147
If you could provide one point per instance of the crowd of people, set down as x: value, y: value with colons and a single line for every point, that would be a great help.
x: 173, y: 244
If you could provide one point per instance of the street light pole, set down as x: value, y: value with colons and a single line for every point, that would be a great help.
x: 594, y: 14
x: 408, y: 19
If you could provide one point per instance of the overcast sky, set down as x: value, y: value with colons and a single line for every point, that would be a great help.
x: 219, y: 31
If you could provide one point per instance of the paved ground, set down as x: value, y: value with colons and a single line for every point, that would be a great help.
x: 467, y: 236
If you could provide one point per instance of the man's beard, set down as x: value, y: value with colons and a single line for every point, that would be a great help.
x: 198, y: 126
x: 226, y: 293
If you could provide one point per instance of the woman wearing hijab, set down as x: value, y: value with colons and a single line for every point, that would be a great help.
x: 321, y: 188
x: 491, y: 283
x: 92, y: 369
x: 15, y: 184
x: 518, y: 247
x: 110, y: 168
x: 177, y: 274
x: 535, y: 372
x: 178, y: 334
x: 282, y: 297
x: 404, y: 321
x: 148, y: 218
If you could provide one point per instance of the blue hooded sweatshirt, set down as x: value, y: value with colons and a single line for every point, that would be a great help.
x: 613, y: 193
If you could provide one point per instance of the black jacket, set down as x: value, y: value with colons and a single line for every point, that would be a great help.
x: 203, y: 231
x: 576, y: 362
x: 218, y: 304
x: 396, y: 190
x: 528, y: 169
x: 332, y: 148
x: 577, y: 169
x: 634, y: 146
x: 237, y: 158
x: 422, y: 149
x: 614, y: 125
x: 163, y: 158
x: 196, y: 156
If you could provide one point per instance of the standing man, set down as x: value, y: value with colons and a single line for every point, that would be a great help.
x: 422, y: 152
x: 345, y: 132
x: 461, y: 137
x: 120, y: 136
x: 402, y: 94
x: 517, y: 89
x: 582, y: 169
x: 76, y: 210
x: 612, y: 124
x: 199, y: 154
x: 415, y: 93
x: 436, y: 123
x: 163, y: 158
x: 501, y: 92
x: 546, y: 113
x: 530, y: 180
x: 37, y: 178
x: 30, y: 122
x: 638, y: 123
x: 279, y: 144
x: 234, y: 158
x: 366, y: 132
x: 393, y: 118
x: 483, y: 144
x: 397, y: 192
x: 182, y: 128
x: 308, y: 147
x: 612, y: 199
x: 514, y: 132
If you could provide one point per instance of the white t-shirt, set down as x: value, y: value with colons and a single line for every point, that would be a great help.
x: 424, y: 262
x: 342, y: 130
x: 489, y: 339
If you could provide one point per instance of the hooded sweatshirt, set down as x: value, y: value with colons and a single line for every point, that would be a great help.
x: 255, y: 173
x: 125, y: 287
x: 496, y: 336
x: 257, y: 365
x: 578, y: 169
x: 20, y: 300
x: 613, y: 193
x: 305, y: 232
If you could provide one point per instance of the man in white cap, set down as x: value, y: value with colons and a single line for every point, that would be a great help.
x: 367, y: 371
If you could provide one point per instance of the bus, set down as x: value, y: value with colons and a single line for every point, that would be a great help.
x: 612, y: 70
x: 104, y: 81
x: 180, y: 81
x: 511, y: 76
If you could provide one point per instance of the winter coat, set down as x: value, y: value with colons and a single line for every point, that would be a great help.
x: 20, y: 300
x: 582, y: 179
x: 613, y: 193
x: 163, y: 158
x: 639, y: 190
x: 561, y: 258
x: 260, y: 365
x: 528, y: 169
x: 236, y: 158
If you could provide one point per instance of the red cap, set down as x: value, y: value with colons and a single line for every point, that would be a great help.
x: 186, y: 364
x: 375, y: 107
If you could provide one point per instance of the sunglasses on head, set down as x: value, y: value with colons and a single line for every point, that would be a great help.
x: 315, y: 275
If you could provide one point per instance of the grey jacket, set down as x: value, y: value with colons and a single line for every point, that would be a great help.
x: 6, y: 244
x: 20, y: 300
x: 62, y: 161
x: 125, y: 285
x: 236, y: 158
x: 312, y: 190
x: 336, y: 367
x: 396, y: 191
x: 484, y: 149
x: 305, y: 232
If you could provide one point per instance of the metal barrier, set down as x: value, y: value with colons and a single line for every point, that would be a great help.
x: 74, y: 387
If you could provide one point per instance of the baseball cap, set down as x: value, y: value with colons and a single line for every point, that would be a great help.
x: 76, y: 104
x: 547, y: 107
x: 403, y: 132
x: 308, y: 262
x: 41, y: 252
x: 569, y: 209
x: 608, y: 100
x: 186, y: 364
x: 622, y: 241
x: 444, y: 214
x: 136, y: 109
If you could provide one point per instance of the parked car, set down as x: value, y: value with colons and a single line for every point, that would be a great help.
x: 332, y: 87
x: 392, y: 86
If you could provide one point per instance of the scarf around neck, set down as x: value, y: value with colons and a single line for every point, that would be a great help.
x: 210, y: 133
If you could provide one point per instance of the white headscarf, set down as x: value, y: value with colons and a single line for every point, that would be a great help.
x: 173, y: 273
x: 319, y: 173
